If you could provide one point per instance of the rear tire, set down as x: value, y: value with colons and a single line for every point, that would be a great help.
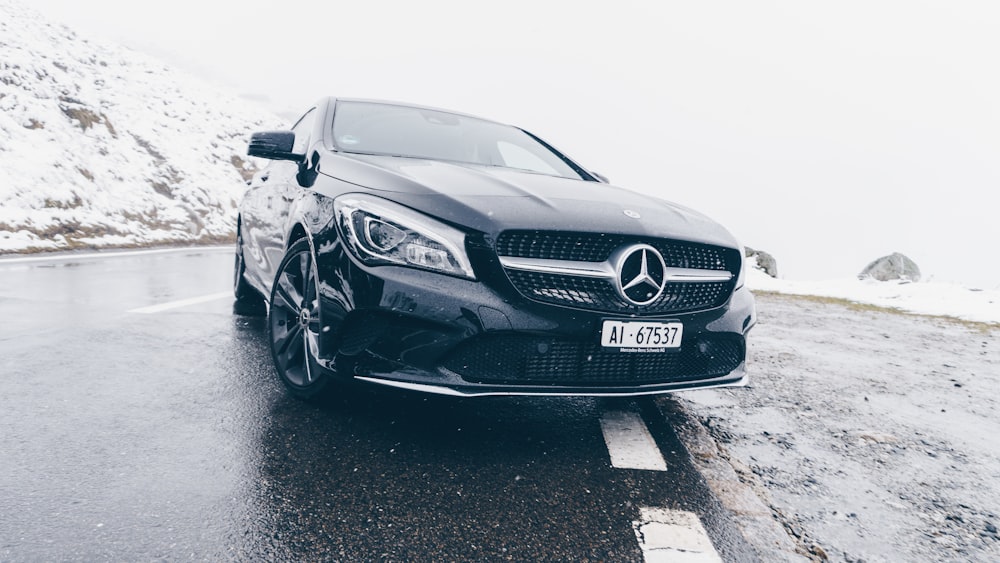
x: 294, y: 325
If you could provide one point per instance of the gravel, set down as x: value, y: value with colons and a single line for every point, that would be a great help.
x: 870, y: 435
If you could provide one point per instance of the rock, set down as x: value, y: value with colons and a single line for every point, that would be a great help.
x: 762, y: 261
x: 876, y: 437
x: 819, y: 552
x: 892, y: 267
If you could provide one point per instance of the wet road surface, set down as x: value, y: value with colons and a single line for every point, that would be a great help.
x: 166, y: 435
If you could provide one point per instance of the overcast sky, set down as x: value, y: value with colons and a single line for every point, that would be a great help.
x: 828, y: 134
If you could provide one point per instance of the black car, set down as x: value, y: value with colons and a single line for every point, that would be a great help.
x: 436, y: 251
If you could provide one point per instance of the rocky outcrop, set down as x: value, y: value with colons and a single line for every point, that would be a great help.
x: 892, y: 267
x: 762, y: 261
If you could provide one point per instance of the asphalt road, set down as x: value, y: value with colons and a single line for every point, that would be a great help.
x: 135, y: 434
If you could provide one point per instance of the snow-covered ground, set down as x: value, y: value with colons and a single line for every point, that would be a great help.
x: 102, y: 146
x: 927, y: 298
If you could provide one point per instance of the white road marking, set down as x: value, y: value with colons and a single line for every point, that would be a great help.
x: 181, y: 303
x: 70, y: 256
x: 629, y: 442
x: 674, y: 536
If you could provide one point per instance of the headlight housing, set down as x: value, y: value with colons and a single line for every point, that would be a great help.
x: 382, y: 232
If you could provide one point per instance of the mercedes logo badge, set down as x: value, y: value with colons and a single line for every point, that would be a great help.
x: 641, y: 274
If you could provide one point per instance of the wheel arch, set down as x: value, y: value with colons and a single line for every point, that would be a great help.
x: 297, y: 233
x: 312, y: 218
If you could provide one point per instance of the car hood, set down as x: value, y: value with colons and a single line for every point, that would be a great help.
x: 493, y: 199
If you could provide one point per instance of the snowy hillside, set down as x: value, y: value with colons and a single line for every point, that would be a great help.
x: 926, y: 298
x: 102, y: 146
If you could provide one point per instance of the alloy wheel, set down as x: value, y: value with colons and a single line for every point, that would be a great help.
x: 294, y: 321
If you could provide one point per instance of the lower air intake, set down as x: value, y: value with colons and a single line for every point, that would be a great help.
x: 528, y: 360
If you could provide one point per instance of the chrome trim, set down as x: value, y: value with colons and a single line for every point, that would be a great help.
x: 606, y: 270
x: 448, y: 391
x: 564, y: 267
x: 643, y: 277
x: 692, y: 275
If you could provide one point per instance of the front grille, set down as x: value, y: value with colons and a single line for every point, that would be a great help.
x: 558, y: 246
x: 515, y: 359
x: 598, y: 294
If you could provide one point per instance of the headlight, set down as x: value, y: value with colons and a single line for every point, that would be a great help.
x: 382, y: 232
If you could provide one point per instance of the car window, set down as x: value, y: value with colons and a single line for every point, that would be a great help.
x: 519, y: 157
x: 386, y: 129
x: 303, y: 129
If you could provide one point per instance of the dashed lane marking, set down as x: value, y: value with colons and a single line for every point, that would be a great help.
x: 674, y: 536
x: 629, y: 442
x: 181, y: 303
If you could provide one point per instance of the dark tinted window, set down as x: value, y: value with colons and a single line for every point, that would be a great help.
x: 386, y: 129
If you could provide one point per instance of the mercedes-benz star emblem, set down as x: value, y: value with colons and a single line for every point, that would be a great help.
x: 641, y: 274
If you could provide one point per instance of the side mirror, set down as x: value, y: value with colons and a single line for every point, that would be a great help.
x: 274, y: 145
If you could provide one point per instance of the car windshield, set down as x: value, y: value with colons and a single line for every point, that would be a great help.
x: 387, y: 129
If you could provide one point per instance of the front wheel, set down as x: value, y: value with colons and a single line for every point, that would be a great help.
x: 294, y: 324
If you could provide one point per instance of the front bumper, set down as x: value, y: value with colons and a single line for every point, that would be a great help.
x: 432, y: 333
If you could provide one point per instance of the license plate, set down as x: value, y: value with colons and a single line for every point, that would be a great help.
x: 635, y: 336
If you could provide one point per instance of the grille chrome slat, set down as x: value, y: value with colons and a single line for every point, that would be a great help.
x: 606, y: 270
x: 563, y: 267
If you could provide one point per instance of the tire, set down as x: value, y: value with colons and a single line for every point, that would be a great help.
x: 247, y: 301
x: 294, y: 325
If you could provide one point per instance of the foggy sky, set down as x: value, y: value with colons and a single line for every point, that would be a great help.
x: 828, y: 134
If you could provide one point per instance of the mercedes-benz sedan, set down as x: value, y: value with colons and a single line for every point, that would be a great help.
x: 436, y: 251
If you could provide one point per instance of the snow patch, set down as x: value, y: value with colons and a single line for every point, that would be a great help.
x: 102, y: 146
x: 928, y: 298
